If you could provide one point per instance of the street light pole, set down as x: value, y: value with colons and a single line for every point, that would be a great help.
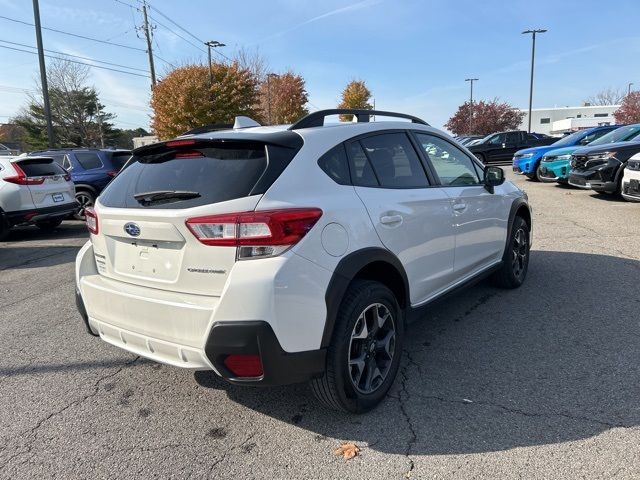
x: 630, y: 85
x: 43, y: 74
x: 212, y: 44
x: 471, y: 80
x: 533, y: 55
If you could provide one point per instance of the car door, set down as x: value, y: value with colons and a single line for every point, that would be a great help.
x: 411, y: 216
x: 512, y: 143
x: 479, y: 217
x: 495, y: 147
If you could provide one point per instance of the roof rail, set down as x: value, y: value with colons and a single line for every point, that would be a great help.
x: 316, y: 119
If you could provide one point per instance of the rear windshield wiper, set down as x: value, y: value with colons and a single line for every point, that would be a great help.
x: 164, y: 196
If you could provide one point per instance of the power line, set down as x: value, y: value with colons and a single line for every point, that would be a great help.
x: 75, y: 56
x: 75, y: 35
x: 177, y: 34
x: 75, y: 61
x: 184, y: 30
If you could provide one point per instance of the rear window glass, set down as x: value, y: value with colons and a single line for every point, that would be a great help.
x: 223, y: 173
x: 88, y: 161
x: 39, y: 167
x: 362, y: 173
x: 118, y: 159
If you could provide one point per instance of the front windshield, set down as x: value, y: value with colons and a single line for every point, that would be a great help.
x: 621, y: 134
x: 569, y: 140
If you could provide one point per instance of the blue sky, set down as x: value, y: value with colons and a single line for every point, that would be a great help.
x: 414, y: 55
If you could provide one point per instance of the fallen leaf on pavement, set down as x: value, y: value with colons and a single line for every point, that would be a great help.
x: 347, y: 451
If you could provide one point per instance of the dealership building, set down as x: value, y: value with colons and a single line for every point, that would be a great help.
x: 561, y: 120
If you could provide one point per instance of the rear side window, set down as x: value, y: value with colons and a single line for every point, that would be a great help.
x: 118, y: 159
x: 88, y: 160
x: 40, y: 167
x: 361, y: 171
x: 452, y: 165
x: 394, y: 161
x: 197, y: 177
x: 334, y: 163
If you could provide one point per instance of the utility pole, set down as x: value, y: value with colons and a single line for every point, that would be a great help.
x: 147, y: 34
x: 99, y: 118
x: 630, y: 85
x: 533, y: 56
x: 43, y: 74
x: 471, y: 80
x: 212, y: 44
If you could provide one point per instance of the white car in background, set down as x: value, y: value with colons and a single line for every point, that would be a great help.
x: 284, y: 254
x: 631, y: 179
x: 34, y: 190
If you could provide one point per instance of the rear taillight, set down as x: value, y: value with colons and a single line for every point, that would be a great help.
x: 67, y: 177
x: 189, y: 154
x: 244, y: 366
x: 257, y: 234
x: 91, y: 218
x: 22, y: 179
x: 112, y: 173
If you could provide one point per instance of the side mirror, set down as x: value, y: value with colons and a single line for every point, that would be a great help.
x: 493, y: 177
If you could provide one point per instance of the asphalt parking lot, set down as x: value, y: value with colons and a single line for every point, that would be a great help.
x: 539, y: 382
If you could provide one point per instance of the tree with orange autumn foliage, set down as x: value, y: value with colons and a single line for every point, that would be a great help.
x: 185, y: 98
x: 283, y: 98
x: 355, y: 95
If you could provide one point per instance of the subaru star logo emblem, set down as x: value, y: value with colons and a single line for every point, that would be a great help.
x: 132, y: 229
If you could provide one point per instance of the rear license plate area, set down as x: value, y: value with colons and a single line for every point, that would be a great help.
x: 58, y: 197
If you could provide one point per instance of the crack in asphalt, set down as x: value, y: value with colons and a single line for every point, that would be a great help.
x: 44, y: 292
x: 225, y: 454
x: 33, y: 431
x: 403, y: 397
x: 518, y: 411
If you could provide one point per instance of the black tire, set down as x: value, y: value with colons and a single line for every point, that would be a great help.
x: 337, y: 388
x: 49, y: 225
x: 85, y: 198
x: 539, y: 175
x: 515, y: 261
x: 4, y: 229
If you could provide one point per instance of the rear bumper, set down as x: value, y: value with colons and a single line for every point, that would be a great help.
x: 198, y: 332
x: 39, y: 214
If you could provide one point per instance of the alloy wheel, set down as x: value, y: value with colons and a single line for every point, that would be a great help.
x: 519, y: 253
x: 372, y: 348
x: 84, y: 200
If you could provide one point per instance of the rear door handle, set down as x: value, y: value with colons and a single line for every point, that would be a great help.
x: 391, y: 219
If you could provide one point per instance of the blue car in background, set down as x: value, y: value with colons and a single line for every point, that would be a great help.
x: 91, y: 170
x: 527, y: 161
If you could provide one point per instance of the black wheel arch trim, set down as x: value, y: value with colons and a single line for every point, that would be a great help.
x: 517, y: 207
x: 346, y: 270
x: 86, y: 186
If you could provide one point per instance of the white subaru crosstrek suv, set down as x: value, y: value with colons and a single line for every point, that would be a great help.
x: 34, y: 190
x: 631, y: 179
x: 274, y: 255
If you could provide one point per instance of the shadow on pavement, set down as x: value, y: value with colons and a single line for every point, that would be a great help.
x: 490, y: 370
x: 27, y: 247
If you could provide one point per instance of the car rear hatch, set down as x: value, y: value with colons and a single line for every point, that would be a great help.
x: 49, y: 184
x: 142, y: 233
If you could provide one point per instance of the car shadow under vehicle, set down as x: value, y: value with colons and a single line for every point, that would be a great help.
x: 491, y: 370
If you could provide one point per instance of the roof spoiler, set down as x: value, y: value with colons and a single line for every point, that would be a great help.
x: 316, y: 119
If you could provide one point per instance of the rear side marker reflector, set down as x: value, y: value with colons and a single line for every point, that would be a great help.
x: 258, y: 234
x: 92, y: 220
x: 244, y: 366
